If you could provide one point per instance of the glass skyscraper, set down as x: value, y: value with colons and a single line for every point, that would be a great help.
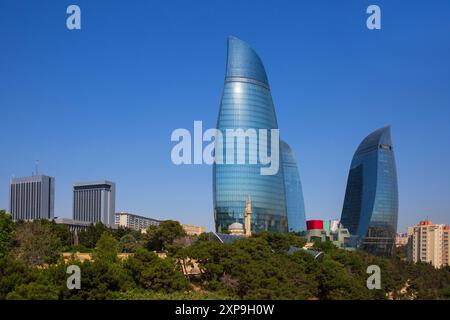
x: 370, y: 209
x: 295, y: 206
x: 247, y: 104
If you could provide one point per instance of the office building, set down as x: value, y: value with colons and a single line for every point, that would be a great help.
x: 94, y: 202
x: 134, y: 221
x: 295, y: 206
x: 428, y: 242
x: 247, y: 104
x: 32, y: 198
x: 370, y: 208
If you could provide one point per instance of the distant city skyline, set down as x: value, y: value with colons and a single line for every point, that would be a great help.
x: 101, y: 102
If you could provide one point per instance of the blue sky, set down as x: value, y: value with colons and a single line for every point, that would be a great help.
x: 102, y: 102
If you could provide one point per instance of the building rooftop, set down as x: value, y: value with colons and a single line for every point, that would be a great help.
x: 30, y: 178
x: 90, y: 183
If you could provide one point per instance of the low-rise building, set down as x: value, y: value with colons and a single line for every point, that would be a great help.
x: 192, y: 230
x: 328, y: 230
x: 74, y: 225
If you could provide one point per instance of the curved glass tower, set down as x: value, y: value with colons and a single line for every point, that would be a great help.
x: 247, y: 104
x: 371, y: 200
x: 295, y: 206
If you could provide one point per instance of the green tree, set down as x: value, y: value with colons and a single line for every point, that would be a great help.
x: 160, y: 237
x: 36, y: 243
x: 14, y: 273
x: 121, y: 231
x: 89, y: 236
x: 153, y: 272
x: 336, y: 282
x: 107, y: 248
x: 34, y: 291
x: 101, y: 280
x: 6, y: 233
x: 129, y: 243
x: 252, y: 269
x: 136, y: 263
x: 63, y: 233
x: 281, y: 242
x: 163, y: 276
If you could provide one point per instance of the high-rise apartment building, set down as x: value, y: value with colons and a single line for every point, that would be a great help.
x: 247, y: 104
x: 370, y: 208
x: 446, y: 246
x: 428, y: 242
x: 94, y: 202
x: 32, y: 198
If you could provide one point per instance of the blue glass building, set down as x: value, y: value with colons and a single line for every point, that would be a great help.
x: 370, y: 209
x: 295, y: 206
x: 247, y: 104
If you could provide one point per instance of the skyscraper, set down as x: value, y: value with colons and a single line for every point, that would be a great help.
x: 94, y: 202
x: 247, y: 104
x: 371, y: 200
x: 293, y: 187
x: 32, y: 198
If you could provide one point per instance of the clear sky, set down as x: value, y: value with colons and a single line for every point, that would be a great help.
x: 102, y: 102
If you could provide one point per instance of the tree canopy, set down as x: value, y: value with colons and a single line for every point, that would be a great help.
x: 6, y: 233
x: 162, y: 236
x: 259, y: 267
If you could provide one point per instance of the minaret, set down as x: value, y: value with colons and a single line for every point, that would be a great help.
x: 248, y: 217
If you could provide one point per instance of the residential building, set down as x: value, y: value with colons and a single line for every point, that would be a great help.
x: 428, y: 242
x: 295, y: 206
x: 446, y: 246
x: 94, y: 202
x: 32, y: 198
x: 370, y: 208
x: 134, y: 221
x: 247, y: 104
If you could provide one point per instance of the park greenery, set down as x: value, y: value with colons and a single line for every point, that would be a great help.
x: 260, y: 267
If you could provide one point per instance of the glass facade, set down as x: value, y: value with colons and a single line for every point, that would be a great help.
x: 247, y: 104
x: 370, y: 209
x: 295, y: 206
